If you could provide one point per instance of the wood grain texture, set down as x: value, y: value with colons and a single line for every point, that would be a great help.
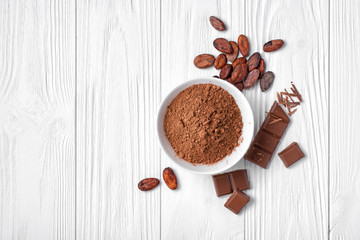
x: 344, y: 114
x: 194, y: 211
x: 37, y: 122
x: 292, y: 203
x: 118, y: 94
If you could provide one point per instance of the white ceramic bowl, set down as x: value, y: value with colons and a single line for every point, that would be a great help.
x: 228, y: 161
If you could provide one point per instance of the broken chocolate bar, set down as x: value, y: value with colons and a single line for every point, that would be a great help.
x: 268, y: 136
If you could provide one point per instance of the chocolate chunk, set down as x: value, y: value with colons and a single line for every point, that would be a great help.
x: 291, y: 154
x: 268, y: 136
x: 258, y: 156
x: 266, y: 141
x: 277, y: 111
x: 237, y: 201
x: 222, y: 184
x: 239, y: 180
x: 275, y: 125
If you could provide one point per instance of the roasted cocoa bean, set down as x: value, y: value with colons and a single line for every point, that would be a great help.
x: 244, y: 46
x: 204, y: 60
x: 222, y: 45
x: 251, y: 78
x: 232, y: 56
x: 217, y: 23
x: 148, y: 184
x: 170, y: 178
x: 225, y: 71
x: 266, y: 81
x: 273, y: 45
x: 220, y: 61
x: 253, y: 61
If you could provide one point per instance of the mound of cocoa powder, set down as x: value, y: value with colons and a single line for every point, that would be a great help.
x: 203, y: 124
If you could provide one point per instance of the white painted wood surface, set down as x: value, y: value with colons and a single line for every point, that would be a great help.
x: 37, y: 119
x: 80, y: 84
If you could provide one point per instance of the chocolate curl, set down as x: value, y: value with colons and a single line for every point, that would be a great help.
x: 294, y: 89
x: 292, y: 112
x: 288, y: 95
x: 275, y: 121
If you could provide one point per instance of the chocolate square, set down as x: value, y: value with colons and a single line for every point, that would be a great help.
x: 277, y: 111
x: 291, y: 154
x: 258, y: 156
x: 266, y: 141
x: 275, y: 125
x: 239, y: 179
x: 237, y: 201
x: 222, y: 184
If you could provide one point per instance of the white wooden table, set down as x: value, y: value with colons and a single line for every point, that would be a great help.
x: 80, y: 84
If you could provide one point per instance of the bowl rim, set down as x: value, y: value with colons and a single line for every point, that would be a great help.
x: 189, y: 83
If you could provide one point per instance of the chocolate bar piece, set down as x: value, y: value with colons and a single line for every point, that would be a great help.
x: 239, y: 180
x: 222, y: 184
x: 268, y: 136
x: 291, y: 154
x: 237, y: 201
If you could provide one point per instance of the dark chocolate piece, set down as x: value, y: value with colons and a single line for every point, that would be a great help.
x: 222, y: 184
x: 237, y: 201
x: 258, y: 156
x: 291, y: 154
x: 275, y: 125
x: 266, y: 141
x: 239, y: 180
x: 268, y: 136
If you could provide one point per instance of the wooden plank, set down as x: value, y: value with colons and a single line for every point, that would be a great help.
x: 37, y: 120
x: 344, y: 114
x: 292, y: 203
x: 193, y: 211
x: 118, y: 94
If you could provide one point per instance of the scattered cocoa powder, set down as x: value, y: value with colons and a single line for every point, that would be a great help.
x: 203, y: 124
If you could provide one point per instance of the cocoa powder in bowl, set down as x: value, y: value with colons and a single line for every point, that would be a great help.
x: 203, y: 124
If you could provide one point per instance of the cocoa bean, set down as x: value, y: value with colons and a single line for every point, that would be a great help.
x: 235, y: 75
x: 232, y: 56
x: 251, y: 79
x: 148, y: 184
x: 244, y: 46
x: 217, y: 23
x: 266, y: 81
x: 204, y: 60
x: 222, y: 45
x: 238, y: 61
x: 253, y: 61
x: 273, y: 45
x: 220, y: 61
x: 239, y: 85
x: 170, y: 178
x: 225, y: 71
x: 261, y: 67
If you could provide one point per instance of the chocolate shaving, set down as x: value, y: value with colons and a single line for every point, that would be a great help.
x: 274, y: 116
x: 292, y: 112
x: 288, y: 95
x: 286, y: 99
x: 275, y: 121
x: 296, y: 92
